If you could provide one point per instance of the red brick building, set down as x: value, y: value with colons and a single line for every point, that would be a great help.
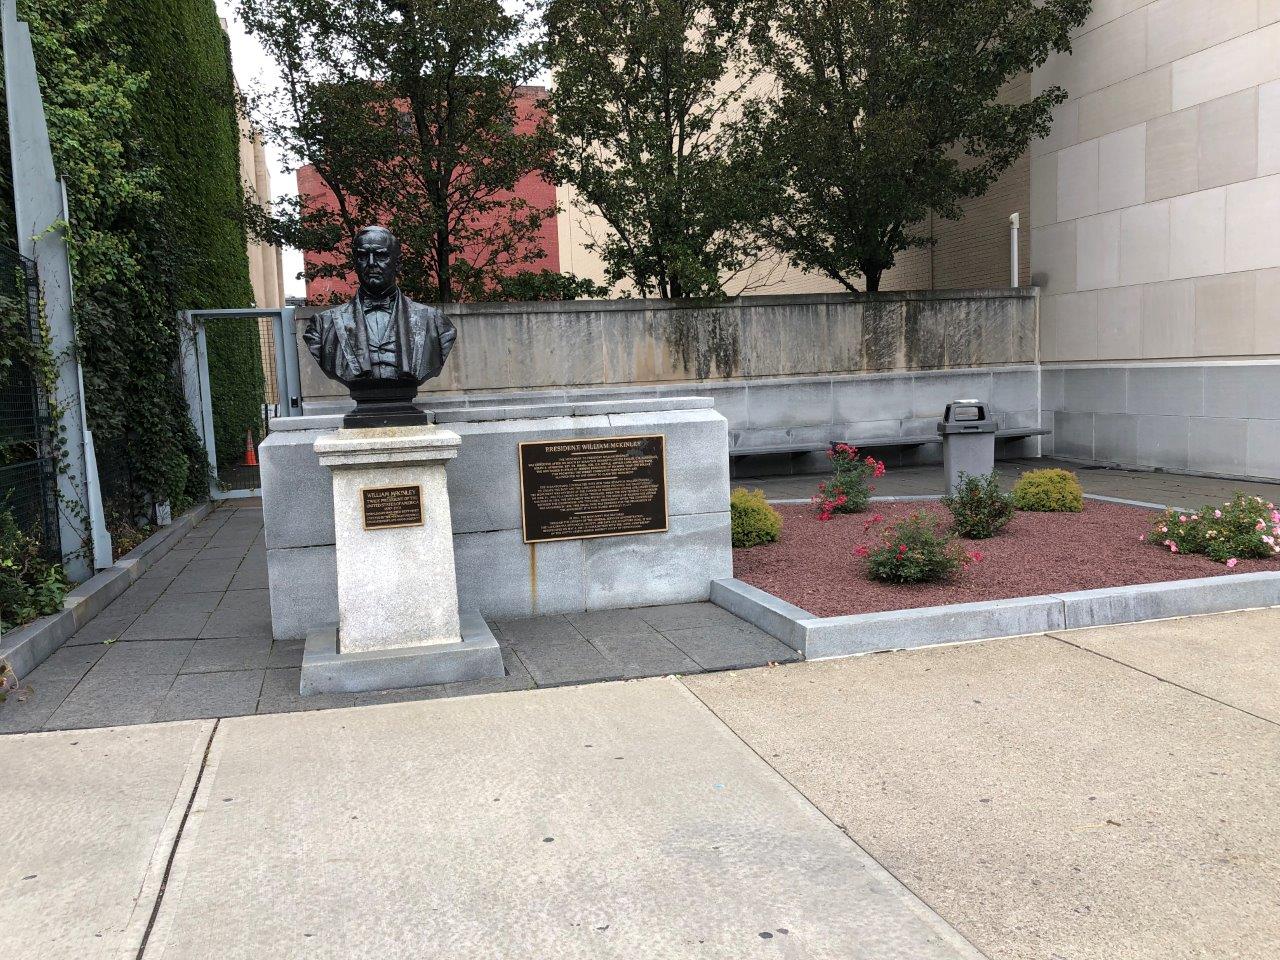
x: 534, y: 188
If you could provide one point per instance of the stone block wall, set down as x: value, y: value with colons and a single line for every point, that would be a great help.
x: 1217, y: 418
x: 499, y: 574
x: 602, y: 344
x: 1155, y: 208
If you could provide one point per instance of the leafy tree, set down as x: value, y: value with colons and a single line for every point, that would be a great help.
x: 643, y: 89
x: 544, y: 285
x: 409, y: 111
x: 885, y: 111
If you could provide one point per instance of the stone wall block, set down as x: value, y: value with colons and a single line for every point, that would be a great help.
x: 297, y: 493
x: 696, y: 551
x: 884, y: 335
x: 303, y: 584
x: 925, y: 338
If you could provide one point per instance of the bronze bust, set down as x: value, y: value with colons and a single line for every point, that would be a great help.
x: 382, y: 346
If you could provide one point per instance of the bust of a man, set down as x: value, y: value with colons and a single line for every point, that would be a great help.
x: 382, y: 346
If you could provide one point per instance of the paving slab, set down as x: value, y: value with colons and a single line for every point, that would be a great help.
x: 227, y: 694
x: 1048, y: 802
x: 1232, y: 657
x: 137, y: 658
x: 181, y: 617
x: 90, y: 818
x: 106, y: 701
x: 229, y: 653
x: 240, y: 613
x: 730, y: 646
x: 606, y: 821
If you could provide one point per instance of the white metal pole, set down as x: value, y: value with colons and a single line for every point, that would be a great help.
x: 1013, y: 249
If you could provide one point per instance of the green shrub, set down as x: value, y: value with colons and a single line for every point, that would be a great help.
x: 754, y: 522
x: 979, y: 507
x: 849, y: 491
x: 1242, y: 528
x: 913, y: 551
x: 1048, y: 491
x: 30, y: 586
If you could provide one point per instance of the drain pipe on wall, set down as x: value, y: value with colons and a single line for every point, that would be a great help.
x: 1013, y: 250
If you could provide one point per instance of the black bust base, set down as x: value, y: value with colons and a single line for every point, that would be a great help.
x: 385, y: 403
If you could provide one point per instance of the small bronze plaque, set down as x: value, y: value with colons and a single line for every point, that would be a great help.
x: 593, y: 487
x: 388, y: 507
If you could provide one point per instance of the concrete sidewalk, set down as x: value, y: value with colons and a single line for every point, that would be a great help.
x: 1095, y: 795
x: 1105, y: 794
x: 605, y: 821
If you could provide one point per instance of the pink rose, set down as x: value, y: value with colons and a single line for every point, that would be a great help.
x: 1232, y: 562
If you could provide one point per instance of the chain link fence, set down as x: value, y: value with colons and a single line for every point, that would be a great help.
x: 28, y: 470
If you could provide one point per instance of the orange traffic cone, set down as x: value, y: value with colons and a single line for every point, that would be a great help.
x: 250, y: 454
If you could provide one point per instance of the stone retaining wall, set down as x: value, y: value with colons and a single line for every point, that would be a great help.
x: 529, y: 346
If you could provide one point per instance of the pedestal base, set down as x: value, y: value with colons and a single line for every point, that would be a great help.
x: 475, y: 657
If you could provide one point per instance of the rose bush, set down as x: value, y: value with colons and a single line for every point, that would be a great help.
x: 1243, y: 528
x: 849, y: 491
x: 979, y: 508
x: 913, y: 551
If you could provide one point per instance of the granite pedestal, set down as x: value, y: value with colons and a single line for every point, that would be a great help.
x: 397, y: 597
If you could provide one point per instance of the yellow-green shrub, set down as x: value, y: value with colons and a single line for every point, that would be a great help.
x: 1048, y: 491
x: 754, y: 522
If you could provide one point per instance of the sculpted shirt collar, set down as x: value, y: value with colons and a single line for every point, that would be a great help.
x: 386, y: 302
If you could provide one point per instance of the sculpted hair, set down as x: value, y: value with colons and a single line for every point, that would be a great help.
x: 383, y: 231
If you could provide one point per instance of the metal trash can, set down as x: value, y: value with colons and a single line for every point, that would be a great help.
x: 968, y: 441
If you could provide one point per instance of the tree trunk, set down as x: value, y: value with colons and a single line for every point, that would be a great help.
x: 872, y: 275
x: 444, y: 276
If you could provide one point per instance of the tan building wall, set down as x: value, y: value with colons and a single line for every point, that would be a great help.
x: 265, y: 273
x: 1156, y: 200
x: 1156, y: 238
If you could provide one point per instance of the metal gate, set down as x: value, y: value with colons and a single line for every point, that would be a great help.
x: 281, y: 395
x: 28, y: 470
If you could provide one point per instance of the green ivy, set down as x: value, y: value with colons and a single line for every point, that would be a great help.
x: 141, y: 111
x: 189, y: 126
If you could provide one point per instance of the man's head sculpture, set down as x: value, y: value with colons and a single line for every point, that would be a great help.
x: 381, y: 345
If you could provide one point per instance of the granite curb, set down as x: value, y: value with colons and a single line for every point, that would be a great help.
x: 821, y: 638
x: 25, y: 648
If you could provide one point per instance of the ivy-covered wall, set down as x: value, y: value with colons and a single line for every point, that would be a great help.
x: 188, y: 123
x: 141, y: 110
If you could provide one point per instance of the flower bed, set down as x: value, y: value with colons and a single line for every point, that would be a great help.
x: 814, y: 566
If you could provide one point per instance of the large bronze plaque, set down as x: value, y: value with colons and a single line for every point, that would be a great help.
x: 389, y: 507
x: 593, y: 487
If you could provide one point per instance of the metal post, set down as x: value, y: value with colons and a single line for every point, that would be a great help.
x: 293, y: 402
x: 1013, y: 249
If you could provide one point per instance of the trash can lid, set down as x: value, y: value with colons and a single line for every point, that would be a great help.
x: 967, y: 416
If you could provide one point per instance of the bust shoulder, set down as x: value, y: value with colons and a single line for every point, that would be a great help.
x: 423, y: 310
x: 333, y: 315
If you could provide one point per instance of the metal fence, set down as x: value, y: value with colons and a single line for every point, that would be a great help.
x: 28, y: 473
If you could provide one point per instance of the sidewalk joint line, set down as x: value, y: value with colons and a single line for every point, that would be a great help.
x: 847, y: 835
x: 177, y: 840
x: 1172, y: 683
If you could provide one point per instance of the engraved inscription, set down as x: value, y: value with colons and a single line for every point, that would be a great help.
x: 597, y: 487
x: 388, y: 507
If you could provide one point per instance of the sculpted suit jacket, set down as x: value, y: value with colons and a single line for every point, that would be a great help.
x: 337, y: 339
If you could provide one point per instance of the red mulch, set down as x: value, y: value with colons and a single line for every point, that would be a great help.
x: 813, y: 565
